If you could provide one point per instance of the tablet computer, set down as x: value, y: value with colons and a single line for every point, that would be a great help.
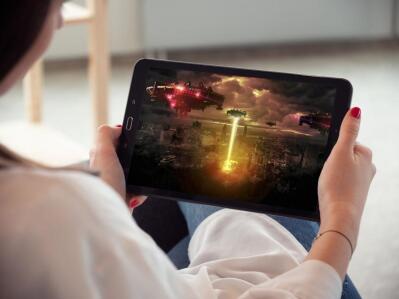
x: 245, y: 139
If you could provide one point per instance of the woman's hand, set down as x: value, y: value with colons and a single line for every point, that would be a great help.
x: 343, y: 186
x: 103, y: 158
x: 345, y: 180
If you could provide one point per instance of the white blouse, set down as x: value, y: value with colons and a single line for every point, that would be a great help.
x: 66, y: 234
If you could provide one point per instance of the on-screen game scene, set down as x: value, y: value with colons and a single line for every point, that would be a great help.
x: 232, y: 138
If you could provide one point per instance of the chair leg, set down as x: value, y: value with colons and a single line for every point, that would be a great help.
x: 99, y: 64
x: 33, y: 92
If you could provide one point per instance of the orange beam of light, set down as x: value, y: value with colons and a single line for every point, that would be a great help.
x: 227, y: 165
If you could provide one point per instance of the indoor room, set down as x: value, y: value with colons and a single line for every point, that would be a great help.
x: 51, y: 114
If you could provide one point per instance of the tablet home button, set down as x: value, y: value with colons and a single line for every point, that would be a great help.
x: 129, y: 123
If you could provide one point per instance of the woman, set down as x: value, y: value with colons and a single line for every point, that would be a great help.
x: 67, y: 234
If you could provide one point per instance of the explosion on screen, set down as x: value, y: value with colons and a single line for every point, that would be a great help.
x: 231, y: 137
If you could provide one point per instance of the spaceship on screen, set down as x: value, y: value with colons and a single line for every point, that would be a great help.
x: 184, y: 97
x: 236, y: 113
x: 318, y: 121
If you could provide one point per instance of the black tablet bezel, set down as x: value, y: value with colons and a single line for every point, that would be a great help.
x: 131, y: 121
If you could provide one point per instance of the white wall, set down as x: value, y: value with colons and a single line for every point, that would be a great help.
x: 193, y: 23
x: 174, y: 24
x: 397, y: 19
x: 71, y: 41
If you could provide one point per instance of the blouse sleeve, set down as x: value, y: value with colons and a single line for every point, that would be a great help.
x: 310, y: 280
x: 68, y: 235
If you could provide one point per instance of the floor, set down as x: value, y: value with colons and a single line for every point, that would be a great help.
x: 374, y: 73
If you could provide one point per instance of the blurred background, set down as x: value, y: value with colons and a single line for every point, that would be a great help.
x: 84, y: 80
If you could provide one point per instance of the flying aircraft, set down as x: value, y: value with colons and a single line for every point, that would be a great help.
x: 184, y: 97
x: 318, y: 121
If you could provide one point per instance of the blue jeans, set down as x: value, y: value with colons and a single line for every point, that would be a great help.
x: 304, y: 231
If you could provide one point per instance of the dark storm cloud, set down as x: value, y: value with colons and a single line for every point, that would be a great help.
x: 304, y: 94
x: 260, y: 83
x: 295, y: 95
x: 196, y: 78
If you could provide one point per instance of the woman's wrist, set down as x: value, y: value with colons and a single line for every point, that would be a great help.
x: 343, y: 219
x: 337, y: 236
x: 334, y: 249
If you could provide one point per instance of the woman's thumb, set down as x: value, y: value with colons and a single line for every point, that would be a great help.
x: 108, y: 135
x: 350, y: 127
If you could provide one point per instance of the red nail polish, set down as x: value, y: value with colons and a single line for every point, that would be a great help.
x: 356, y: 112
x: 133, y: 203
x: 118, y: 126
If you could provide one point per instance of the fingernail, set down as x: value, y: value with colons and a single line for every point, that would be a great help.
x: 118, y: 126
x: 133, y: 203
x: 356, y: 112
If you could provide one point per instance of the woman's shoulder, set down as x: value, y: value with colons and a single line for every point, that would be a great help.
x: 61, y: 224
x: 24, y: 180
x: 43, y: 190
x: 18, y: 171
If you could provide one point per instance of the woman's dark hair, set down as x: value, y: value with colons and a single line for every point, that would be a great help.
x: 20, y: 24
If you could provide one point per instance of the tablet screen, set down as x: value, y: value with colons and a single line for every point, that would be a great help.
x: 232, y: 138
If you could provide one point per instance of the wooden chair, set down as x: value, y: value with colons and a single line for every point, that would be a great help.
x: 94, y: 14
x: 45, y: 145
